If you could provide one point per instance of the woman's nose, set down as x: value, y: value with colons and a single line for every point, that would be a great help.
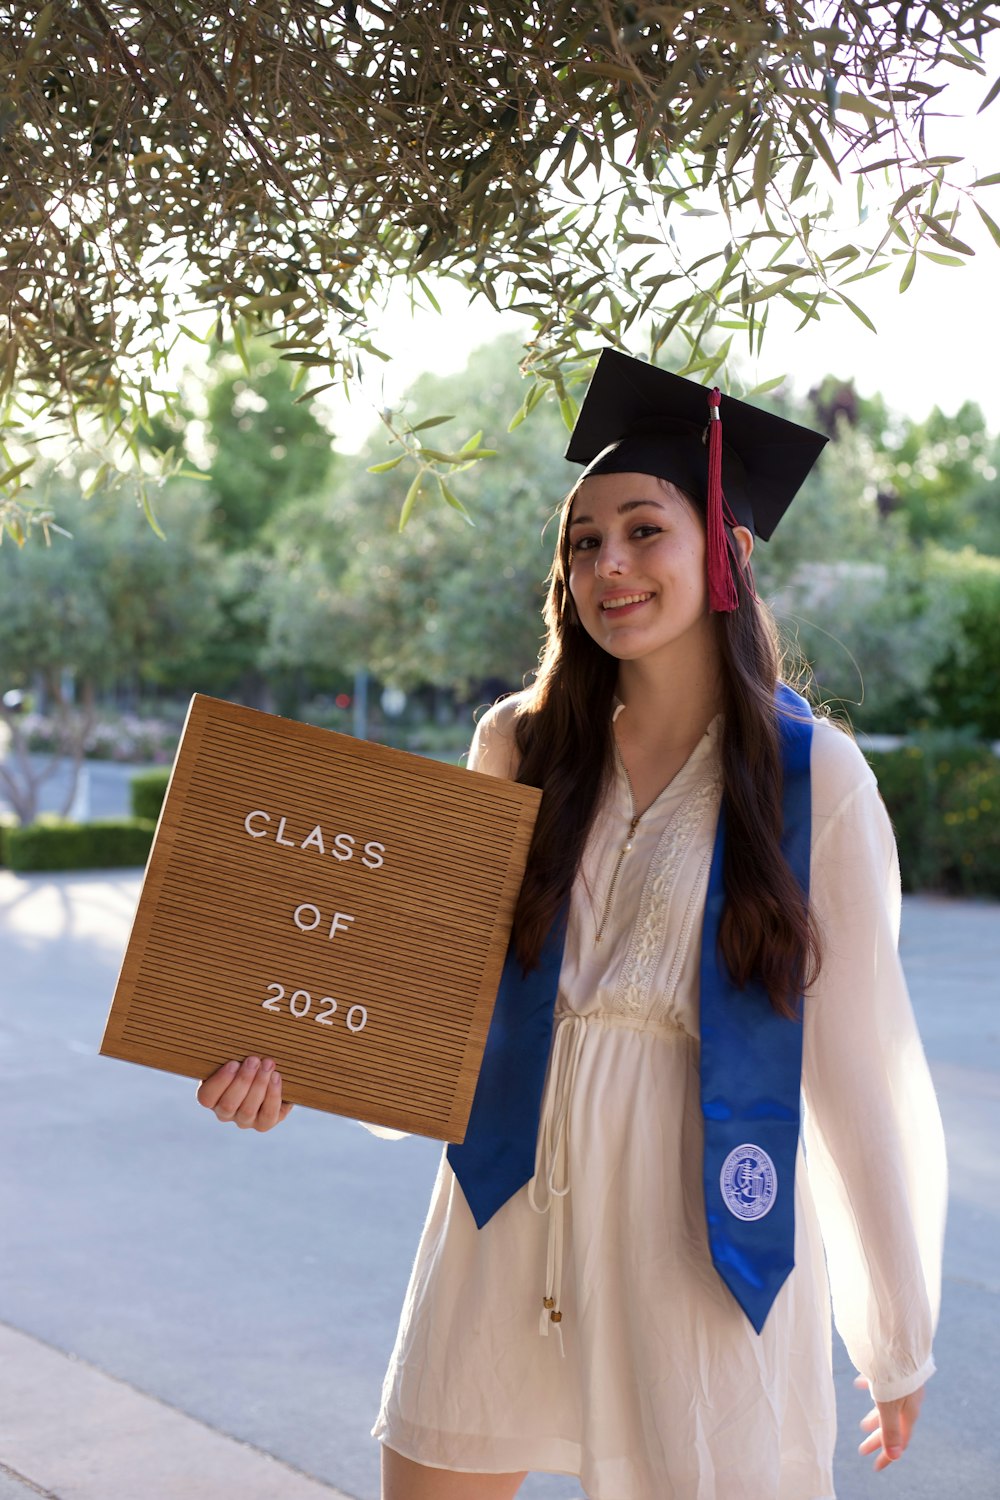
x: 610, y: 560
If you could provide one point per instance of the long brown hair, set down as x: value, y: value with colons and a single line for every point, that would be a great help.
x: 565, y: 739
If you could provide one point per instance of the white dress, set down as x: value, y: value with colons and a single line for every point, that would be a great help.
x: 654, y: 1385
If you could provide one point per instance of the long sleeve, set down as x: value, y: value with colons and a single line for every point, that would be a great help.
x: 873, y: 1136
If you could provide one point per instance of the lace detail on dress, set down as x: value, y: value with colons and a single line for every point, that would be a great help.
x: 648, y: 934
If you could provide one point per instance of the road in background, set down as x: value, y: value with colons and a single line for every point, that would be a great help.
x: 255, y: 1281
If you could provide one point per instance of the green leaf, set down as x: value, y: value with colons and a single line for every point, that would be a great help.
x: 989, y: 97
x: 943, y: 237
x: 738, y: 142
x: 241, y: 348
x: 314, y: 391
x: 412, y: 495
x: 942, y: 259
x: 858, y: 312
x: 390, y: 463
x: 473, y: 442
x: 568, y: 408
x: 762, y: 165
x: 908, y: 270
x: 453, y: 500
x: 777, y: 286
x: 993, y: 180
x: 820, y: 142
x: 907, y: 197
x: 150, y: 514
x: 801, y: 174
x: 991, y: 224
x: 429, y: 294
x: 430, y: 422
x: 95, y: 484
x: 17, y: 469
x: 861, y: 106
x: 768, y: 385
x: 864, y: 275
x: 440, y: 457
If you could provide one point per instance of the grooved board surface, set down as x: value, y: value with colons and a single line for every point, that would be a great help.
x: 339, y: 906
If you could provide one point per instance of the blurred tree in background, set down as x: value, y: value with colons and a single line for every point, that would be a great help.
x: 113, y: 607
x: 899, y: 619
x: 267, y: 447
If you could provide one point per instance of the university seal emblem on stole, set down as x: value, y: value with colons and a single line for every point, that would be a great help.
x: 749, y: 1182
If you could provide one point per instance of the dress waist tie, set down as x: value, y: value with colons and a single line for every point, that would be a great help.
x: 549, y: 1188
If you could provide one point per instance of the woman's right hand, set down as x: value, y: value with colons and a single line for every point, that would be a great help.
x: 247, y: 1093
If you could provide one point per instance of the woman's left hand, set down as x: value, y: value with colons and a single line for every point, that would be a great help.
x: 889, y: 1425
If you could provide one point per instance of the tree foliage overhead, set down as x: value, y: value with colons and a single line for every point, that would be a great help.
x: 277, y: 165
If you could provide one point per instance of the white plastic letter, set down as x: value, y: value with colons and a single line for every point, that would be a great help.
x: 357, y: 1018
x: 299, y: 917
x: 339, y: 851
x: 314, y: 840
x: 375, y: 853
x: 339, y: 923
x: 256, y: 833
x: 278, y: 837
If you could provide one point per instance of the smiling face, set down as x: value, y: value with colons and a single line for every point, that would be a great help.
x: 637, y: 567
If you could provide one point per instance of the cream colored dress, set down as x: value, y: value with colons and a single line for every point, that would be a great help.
x: 654, y: 1386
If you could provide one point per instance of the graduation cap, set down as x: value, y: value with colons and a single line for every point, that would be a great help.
x: 637, y: 418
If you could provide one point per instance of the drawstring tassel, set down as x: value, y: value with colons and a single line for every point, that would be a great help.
x: 552, y: 1315
x: 721, y: 588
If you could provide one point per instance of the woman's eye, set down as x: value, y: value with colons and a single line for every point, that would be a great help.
x: 584, y: 544
x: 646, y: 529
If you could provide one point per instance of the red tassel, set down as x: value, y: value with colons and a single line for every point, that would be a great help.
x: 721, y: 588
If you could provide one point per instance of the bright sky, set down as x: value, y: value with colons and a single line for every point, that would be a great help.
x: 937, y: 344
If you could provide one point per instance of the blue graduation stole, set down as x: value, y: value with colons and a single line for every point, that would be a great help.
x: 751, y: 1066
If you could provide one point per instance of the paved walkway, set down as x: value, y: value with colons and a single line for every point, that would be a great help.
x: 188, y: 1310
x: 70, y: 1432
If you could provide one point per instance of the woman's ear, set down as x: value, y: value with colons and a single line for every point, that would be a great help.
x: 743, y: 538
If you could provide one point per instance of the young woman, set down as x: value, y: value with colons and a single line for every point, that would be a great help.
x: 712, y: 903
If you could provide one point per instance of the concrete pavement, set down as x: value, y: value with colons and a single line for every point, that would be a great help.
x: 73, y: 1432
x: 185, y: 1303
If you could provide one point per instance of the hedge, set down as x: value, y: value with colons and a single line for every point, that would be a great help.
x: 108, y: 843
x: 147, y: 790
x: 8, y: 820
x: 944, y: 802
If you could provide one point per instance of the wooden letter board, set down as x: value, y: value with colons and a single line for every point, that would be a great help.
x: 339, y: 906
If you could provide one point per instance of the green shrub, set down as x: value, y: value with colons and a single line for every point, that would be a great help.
x: 943, y: 797
x: 904, y: 781
x: 8, y: 820
x: 110, y: 843
x: 147, y: 790
x: 964, y: 682
x: 970, y: 829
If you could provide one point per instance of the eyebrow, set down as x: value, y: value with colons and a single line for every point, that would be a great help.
x: 626, y: 506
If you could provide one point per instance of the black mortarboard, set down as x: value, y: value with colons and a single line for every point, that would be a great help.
x: 637, y: 418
